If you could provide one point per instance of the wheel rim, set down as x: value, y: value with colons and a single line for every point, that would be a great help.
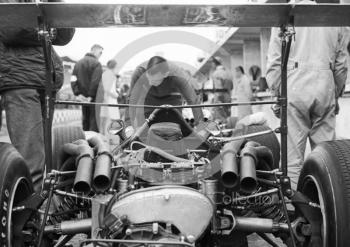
x: 312, y: 189
x: 20, y: 191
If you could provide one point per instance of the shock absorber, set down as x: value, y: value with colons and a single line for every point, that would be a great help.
x: 270, y: 207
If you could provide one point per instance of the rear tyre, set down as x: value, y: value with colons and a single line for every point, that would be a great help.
x: 15, y: 186
x: 60, y: 136
x: 325, y: 179
x: 269, y: 140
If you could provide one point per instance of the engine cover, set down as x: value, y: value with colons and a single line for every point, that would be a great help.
x: 185, y: 208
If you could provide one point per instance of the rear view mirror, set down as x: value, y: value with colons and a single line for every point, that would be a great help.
x: 116, y: 127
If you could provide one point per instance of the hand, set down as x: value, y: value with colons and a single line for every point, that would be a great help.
x: 129, y: 131
x: 276, y: 110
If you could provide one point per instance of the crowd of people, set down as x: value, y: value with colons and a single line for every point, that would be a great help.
x: 151, y: 82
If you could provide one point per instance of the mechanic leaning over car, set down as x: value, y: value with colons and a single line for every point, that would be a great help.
x: 317, y: 71
x: 22, y: 84
x: 160, y: 82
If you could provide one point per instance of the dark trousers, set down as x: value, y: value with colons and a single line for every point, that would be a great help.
x: 24, y: 120
x: 89, y: 118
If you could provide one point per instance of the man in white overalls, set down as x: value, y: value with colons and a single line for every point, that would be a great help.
x: 317, y: 71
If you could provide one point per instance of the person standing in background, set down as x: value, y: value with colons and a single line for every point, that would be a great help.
x: 242, y: 92
x: 22, y: 87
x: 108, y: 86
x: 222, y: 93
x: 316, y: 79
x: 88, y: 72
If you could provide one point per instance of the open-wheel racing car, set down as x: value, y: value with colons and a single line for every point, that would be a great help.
x: 169, y: 184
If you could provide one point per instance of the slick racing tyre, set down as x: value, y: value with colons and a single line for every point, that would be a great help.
x: 15, y: 186
x: 269, y: 140
x: 60, y: 136
x: 325, y: 180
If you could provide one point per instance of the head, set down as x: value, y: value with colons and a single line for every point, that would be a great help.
x: 157, y: 70
x: 96, y: 50
x: 112, y: 65
x: 239, y: 71
x: 219, y: 75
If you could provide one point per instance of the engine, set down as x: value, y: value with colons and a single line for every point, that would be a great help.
x: 168, y: 188
x: 174, y: 210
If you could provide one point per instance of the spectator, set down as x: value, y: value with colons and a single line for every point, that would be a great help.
x: 222, y: 93
x: 122, y: 98
x: 22, y: 85
x: 88, y: 72
x: 242, y: 92
x: 255, y: 75
x: 108, y: 86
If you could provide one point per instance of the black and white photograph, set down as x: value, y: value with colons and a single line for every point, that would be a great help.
x: 174, y: 123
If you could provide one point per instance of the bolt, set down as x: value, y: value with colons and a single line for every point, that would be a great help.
x: 227, y: 200
x: 289, y: 192
x: 128, y: 232
x: 191, y: 238
x: 306, y: 230
x: 155, y: 228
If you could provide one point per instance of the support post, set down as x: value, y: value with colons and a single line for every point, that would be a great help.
x: 286, y: 37
x: 44, y: 36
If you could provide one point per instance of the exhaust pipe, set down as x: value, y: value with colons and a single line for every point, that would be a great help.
x: 103, y: 166
x: 84, y: 163
x: 249, y: 160
x: 70, y: 227
x: 250, y: 156
x: 229, y: 164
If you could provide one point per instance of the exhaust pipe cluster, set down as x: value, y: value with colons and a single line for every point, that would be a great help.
x: 93, y: 171
x: 239, y: 160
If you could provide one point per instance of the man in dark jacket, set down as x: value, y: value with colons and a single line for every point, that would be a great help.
x: 159, y: 83
x: 22, y: 84
x: 88, y: 72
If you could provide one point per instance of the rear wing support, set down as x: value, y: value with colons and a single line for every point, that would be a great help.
x: 44, y: 35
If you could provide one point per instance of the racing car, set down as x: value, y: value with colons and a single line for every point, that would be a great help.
x: 172, y: 185
x: 169, y: 184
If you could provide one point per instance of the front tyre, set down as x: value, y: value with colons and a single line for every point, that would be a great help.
x: 15, y: 186
x: 325, y: 180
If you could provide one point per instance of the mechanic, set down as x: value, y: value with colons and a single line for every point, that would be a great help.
x: 88, y: 72
x: 159, y: 83
x: 22, y: 84
x: 317, y: 71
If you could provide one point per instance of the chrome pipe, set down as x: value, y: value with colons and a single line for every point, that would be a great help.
x: 102, y: 173
x: 82, y: 181
x: 248, y: 179
x: 259, y: 225
x: 70, y: 227
x: 229, y: 164
x: 84, y: 163
x: 248, y: 164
